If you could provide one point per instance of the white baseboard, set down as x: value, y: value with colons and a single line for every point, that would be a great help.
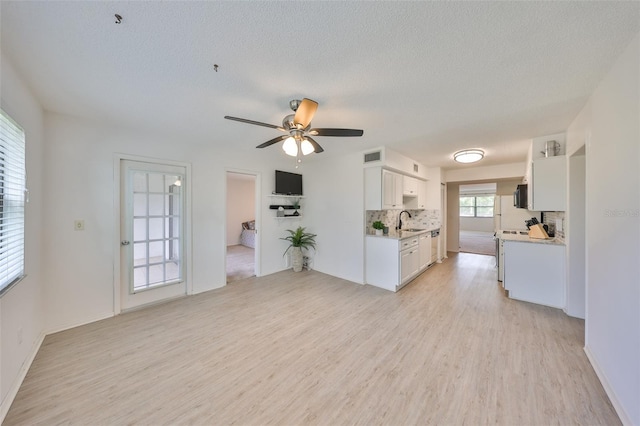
x: 15, y: 386
x: 624, y: 417
x: 74, y: 323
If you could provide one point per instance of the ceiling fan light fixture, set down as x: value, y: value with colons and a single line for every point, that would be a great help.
x: 306, y: 147
x: 468, y: 156
x: 290, y: 146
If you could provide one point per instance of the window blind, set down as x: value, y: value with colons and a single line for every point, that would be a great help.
x: 12, y: 200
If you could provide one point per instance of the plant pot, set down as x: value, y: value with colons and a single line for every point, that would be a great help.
x: 378, y: 231
x: 296, y: 259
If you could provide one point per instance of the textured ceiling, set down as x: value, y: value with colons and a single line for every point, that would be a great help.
x: 426, y: 78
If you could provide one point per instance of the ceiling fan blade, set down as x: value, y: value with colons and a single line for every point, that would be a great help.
x: 336, y: 132
x: 272, y: 141
x: 316, y: 146
x: 257, y: 123
x: 305, y: 112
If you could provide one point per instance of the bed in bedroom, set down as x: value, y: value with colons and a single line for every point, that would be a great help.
x: 248, y: 235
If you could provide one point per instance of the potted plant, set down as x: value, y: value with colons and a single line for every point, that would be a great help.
x: 299, y: 240
x: 378, y: 226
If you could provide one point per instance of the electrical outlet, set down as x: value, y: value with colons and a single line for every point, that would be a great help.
x: 78, y: 225
x: 20, y: 335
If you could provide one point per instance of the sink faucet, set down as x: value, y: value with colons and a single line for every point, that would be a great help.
x: 400, y: 219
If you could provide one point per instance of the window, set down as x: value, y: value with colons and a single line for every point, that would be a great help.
x: 12, y: 198
x: 476, y: 205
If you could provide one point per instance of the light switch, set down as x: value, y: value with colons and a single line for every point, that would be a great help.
x: 559, y: 225
x: 78, y: 225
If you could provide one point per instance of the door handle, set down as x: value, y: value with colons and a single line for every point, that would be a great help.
x: 124, y: 243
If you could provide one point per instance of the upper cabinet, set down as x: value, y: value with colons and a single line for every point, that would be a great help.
x: 382, y: 189
x: 393, y: 181
x: 546, y: 174
x: 548, y: 186
x: 409, y: 186
x: 420, y: 202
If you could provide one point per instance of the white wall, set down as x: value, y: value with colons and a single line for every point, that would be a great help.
x: 575, y: 236
x: 334, y: 209
x: 453, y: 217
x: 80, y: 185
x: 507, y: 187
x: 470, y: 174
x: 21, y: 308
x: 612, y: 118
x: 241, y: 205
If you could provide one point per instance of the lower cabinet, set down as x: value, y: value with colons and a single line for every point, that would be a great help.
x: 409, y: 263
x: 392, y: 263
x: 535, y: 272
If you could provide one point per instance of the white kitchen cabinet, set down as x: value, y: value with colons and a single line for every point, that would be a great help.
x: 391, y: 263
x: 424, y: 243
x: 535, y: 272
x: 419, y: 202
x: 392, y: 190
x: 409, y: 186
x: 547, y: 186
x: 422, y: 194
x: 383, y: 189
x: 409, y: 264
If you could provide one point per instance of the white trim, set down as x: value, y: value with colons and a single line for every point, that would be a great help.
x: 15, y: 386
x: 624, y: 417
x: 117, y: 268
x: 73, y: 324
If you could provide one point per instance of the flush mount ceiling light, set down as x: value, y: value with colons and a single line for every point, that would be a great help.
x: 468, y: 155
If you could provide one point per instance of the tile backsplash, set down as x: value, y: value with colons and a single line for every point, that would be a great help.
x: 550, y: 220
x: 424, y: 219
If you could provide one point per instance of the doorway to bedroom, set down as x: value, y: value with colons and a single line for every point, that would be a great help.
x: 241, y: 226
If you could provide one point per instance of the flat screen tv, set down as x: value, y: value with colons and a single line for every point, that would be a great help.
x: 288, y: 183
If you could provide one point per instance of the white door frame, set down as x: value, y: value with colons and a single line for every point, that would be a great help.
x: 258, y: 219
x: 117, y: 267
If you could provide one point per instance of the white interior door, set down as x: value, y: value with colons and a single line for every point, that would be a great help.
x: 152, y: 233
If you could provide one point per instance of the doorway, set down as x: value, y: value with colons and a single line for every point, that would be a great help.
x: 476, y: 218
x: 242, y: 232
x: 152, y: 232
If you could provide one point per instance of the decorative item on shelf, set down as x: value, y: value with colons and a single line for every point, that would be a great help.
x: 299, y: 239
x: 296, y: 206
x: 378, y: 226
x: 280, y: 211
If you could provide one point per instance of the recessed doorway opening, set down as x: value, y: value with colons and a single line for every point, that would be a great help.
x: 242, y: 234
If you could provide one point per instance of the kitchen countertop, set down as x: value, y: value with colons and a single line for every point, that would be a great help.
x: 527, y: 239
x: 400, y: 235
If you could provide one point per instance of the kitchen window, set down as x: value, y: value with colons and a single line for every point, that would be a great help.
x: 12, y: 200
x: 476, y: 205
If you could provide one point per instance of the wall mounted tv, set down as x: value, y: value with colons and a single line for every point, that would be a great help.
x: 288, y: 183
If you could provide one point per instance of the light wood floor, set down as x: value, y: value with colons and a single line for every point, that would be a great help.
x: 307, y: 348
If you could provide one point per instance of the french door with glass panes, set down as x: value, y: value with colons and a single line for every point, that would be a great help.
x: 152, y: 234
